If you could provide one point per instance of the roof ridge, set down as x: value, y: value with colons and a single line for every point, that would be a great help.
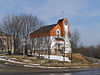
x: 48, y: 25
x: 44, y: 29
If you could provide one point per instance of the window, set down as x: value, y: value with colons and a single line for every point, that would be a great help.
x: 58, y: 33
x: 65, y: 23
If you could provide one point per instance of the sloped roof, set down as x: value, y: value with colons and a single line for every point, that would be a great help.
x: 44, y: 29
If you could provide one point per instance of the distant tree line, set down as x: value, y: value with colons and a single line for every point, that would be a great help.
x: 89, y: 51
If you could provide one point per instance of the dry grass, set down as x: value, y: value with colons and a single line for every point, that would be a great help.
x: 79, y: 61
x: 79, y: 58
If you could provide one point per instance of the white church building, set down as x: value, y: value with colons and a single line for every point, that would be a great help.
x: 53, y: 38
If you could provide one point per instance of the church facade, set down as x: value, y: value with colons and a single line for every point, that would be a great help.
x: 54, y: 38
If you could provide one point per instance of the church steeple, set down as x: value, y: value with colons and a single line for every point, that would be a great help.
x: 65, y: 26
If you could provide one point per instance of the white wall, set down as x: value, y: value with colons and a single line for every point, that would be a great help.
x: 43, y: 43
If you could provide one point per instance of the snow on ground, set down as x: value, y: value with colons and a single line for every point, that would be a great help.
x: 56, y: 57
x: 27, y: 60
x: 52, y: 57
x: 13, y: 58
x: 2, y: 56
x: 8, y: 60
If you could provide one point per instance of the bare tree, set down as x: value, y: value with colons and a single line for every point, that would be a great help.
x: 74, y: 39
x: 37, y: 43
x: 29, y: 23
x: 11, y: 26
x: 33, y: 45
x: 42, y: 44
x: 48, y: 42
x: 20, y: 26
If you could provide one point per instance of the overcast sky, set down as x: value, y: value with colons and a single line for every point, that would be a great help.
x: 82, y: 14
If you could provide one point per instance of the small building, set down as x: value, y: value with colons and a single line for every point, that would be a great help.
x: 6, y: 43
x: 53, y: 38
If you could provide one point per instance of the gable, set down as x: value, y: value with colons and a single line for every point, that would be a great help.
x: 54, y: 30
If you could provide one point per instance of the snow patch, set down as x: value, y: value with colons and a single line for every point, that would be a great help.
x: 56, y: 57
x: 18, y: 62
x: 13, y: 58
x: 3, y: 56
x: 27, y: 60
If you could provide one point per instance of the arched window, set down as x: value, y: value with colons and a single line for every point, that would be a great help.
x: 65, y: 23
x: 58, y: 33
